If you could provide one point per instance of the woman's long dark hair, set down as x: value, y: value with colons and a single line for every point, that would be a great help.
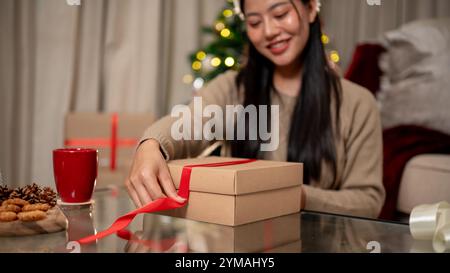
x: 312, y: 134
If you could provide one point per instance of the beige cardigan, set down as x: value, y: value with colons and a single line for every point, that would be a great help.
x: 358, y: 189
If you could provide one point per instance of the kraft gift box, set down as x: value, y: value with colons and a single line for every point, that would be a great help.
x: 238, y: 194
x: 114, y: 135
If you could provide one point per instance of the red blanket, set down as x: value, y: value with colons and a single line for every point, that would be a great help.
x: 364, y: 69
x: 400, y: 145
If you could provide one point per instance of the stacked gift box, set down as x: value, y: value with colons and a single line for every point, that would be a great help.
x: 238, y: 194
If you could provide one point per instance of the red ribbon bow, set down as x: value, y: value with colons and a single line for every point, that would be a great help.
x: 159, y: 204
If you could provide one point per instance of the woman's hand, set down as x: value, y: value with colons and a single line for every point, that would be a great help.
x: 150, y: 178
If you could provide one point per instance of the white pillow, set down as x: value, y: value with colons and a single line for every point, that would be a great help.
x: 438, y: 66
x: 414, y: 42
x: 422, y: 98
x: 415, y: 87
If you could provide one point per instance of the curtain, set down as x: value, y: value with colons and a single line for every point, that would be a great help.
x: 349, y: 22
x: 17, y: 52
x: 101, y: 56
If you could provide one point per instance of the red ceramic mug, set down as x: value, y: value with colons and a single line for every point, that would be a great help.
x: 75, y: 172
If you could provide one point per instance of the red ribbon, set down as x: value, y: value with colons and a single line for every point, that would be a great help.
x: 159, y: 204
x: 113, y: 142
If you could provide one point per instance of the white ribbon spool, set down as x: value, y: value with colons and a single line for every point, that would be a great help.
x: 432, y: 222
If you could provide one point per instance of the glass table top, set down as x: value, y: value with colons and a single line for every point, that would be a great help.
x: 296, y: 233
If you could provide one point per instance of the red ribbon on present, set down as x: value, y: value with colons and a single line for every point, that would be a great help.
x: 160, y: 204
x: 113, y: 142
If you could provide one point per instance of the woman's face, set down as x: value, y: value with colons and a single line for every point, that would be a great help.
x: 276, y: 30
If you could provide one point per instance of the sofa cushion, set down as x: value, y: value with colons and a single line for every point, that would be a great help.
x: 416, y: 41
x: 425, y: 180
x: 415, y: 87
x: 422, y: 101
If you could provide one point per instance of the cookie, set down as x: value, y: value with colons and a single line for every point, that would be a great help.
x: 7, y: 216
x: 11, y: 208
x: 31, y: 216
x: 16, y: 201
x: 39, y: 206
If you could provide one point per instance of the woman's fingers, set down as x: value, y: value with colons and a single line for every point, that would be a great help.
x: 149, y: 178
x: 133, y: 194
x: 168, y: 185
x: 141, y: 191
x: 145, y: 188
x: 153, y: 188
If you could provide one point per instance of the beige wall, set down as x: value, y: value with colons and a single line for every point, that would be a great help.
x: 349, y: 22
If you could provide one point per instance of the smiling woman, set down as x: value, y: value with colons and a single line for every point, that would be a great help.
x: 286, y: 49
x: 329, y: 124
x: 280, y: 32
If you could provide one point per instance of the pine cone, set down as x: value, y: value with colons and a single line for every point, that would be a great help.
x: 35, y: 194
x: 16, y: 193
x: 4, y: 193
x: 31, y: 193
x: 48, y: 196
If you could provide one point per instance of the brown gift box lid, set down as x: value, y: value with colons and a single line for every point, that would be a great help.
x: 261, y: 175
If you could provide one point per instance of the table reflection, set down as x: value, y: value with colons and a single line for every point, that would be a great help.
x: 81, y: 224
x: 342, y: 234
x: 301, y: 232
x: 167, y: 234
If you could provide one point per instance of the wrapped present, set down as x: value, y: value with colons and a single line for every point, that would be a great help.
x: 238, y: 194
x: 226, y: 191
x: 115, y: 136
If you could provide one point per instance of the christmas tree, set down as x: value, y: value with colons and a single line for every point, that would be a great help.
x: 225, y: 51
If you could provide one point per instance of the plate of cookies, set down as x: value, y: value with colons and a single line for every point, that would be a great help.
x: 29, y: 210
